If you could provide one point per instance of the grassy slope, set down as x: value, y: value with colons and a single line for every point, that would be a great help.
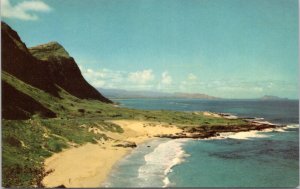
x: 27, y: 143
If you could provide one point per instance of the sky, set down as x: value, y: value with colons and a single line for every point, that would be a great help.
x: 224, y: 48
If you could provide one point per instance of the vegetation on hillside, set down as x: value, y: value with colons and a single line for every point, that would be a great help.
x: 26, y: 143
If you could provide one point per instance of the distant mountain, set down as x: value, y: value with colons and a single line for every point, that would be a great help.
x: 117, y: 93
x: 47, y: 67
x: 271, y: 97
x: 194, y: 96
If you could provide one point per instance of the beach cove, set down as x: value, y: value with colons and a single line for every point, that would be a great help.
x: 95, y: 161
x: 256, y: 158
x: 89, y: 165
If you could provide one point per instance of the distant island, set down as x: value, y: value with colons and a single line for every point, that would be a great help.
x: 126, y: 94
x: 271, y: 97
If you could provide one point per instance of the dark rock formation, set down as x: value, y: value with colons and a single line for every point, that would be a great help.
x: 126, y: 145
x: 17, y: 61
x: 61, y: 186
x: 47, y: 67
x: 202, y: 132
x: 64, y: 71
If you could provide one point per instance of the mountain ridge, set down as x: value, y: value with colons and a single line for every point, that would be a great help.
x: 48, y: 67
x: 120, y: 93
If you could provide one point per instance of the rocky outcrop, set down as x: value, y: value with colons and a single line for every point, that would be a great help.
x: 126, y: 144
x: 49, y: 51
x: 202, y: 132
x: 61, y: 186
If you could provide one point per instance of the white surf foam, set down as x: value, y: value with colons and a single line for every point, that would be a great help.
x: 254, y: 134
x: 166, y: 182
x: 258, y: 118
x: 263, y: 122
x: 244, y: 135
x: 160, y: 161
x: 292, y: 126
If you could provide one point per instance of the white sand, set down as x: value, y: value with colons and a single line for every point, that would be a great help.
x: 89, y: 165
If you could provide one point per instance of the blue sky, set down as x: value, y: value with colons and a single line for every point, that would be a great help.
x: 225, y: 48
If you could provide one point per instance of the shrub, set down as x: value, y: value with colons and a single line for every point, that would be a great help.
x: 81, y: 110
x: 55, y: 145
x: 13, y: 141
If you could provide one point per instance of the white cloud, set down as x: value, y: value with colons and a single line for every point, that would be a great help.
x: 98, y: 83
x: 190, y: 84
x: 23, y: 10
x: 166, y: 78
x: 106, y: 78
x: 141, y: 77
x: 165, y: 83
x: 103, y: 77
x: 192, y: 77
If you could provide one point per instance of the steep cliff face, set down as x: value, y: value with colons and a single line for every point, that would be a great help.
x: 17, y: 61
x: 64, y: 71
x: 47, y: 67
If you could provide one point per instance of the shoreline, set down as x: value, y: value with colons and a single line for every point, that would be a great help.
x: 148, y: 152
x: 95, y: 161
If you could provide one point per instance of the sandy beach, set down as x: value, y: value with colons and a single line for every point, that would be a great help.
x: 89, y: 165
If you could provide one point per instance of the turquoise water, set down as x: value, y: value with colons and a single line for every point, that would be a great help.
x: 268, y: 159
x: 263, y: 162
x: 146, y: 165
x: 281, y: 111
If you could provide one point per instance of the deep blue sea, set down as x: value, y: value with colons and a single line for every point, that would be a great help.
x: 255, y: 159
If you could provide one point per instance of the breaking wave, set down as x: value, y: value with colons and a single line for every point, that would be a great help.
x: 160, y: 161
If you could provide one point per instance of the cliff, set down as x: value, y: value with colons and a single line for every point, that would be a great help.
x: 48, y: 67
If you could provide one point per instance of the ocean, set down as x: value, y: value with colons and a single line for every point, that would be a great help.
x: 253, y: 159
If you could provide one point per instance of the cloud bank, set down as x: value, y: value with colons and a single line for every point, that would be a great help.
x: 141, y: 77
x: 166, y: 78
x: 25, y: 10
x: 106, y: 78
x: 147, y: 80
